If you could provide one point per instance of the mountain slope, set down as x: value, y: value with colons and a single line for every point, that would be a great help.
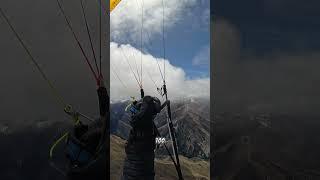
x: 191, y: 121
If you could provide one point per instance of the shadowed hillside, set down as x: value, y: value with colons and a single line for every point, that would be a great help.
x: 260, y: 146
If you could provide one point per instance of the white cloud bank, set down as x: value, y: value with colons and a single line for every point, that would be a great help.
x: 178, y: 85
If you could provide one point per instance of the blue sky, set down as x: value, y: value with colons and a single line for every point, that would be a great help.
x: 187, y: 39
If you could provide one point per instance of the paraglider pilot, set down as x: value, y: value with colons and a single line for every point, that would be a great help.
x: 139, y: 162
x: 87, y: 141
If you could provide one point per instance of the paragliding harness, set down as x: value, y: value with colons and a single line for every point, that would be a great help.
x: 77, y: 153
x: 81, y: 156
x: 76, y: 150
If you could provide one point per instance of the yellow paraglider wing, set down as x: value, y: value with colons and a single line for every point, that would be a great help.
x: 113, y: 4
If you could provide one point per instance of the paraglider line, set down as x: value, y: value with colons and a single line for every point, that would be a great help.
x: 77, y: 40
x: 100, y: 36
x: 164, y: 46
x: 141, y: 40
x: 53, y: 89
x: 89, y: 34
x: 126, y: 58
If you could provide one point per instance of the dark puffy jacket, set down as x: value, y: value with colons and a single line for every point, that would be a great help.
x: 139, y: 162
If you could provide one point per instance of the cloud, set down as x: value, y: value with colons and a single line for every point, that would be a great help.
x: 179, y: 86
x: 279, y: 82
x: 125, y: 20
x: 202, y: 20
x: 202, y: 57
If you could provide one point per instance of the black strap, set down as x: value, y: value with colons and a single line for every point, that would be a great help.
x: 103, y: 101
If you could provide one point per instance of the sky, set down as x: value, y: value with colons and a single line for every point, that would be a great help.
x: 187, y: 46
x: 266, y: 56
